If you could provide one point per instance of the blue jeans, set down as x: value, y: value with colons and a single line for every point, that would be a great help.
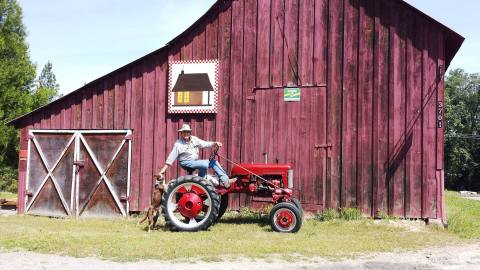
x: 203, y: 165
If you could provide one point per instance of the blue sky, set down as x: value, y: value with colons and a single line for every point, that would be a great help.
x: 87, y: 39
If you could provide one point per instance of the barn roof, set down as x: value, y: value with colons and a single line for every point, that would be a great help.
x: 453, y: 43
x: 195, y: 82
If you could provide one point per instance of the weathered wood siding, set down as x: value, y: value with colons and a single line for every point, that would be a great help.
x: 374, y: 68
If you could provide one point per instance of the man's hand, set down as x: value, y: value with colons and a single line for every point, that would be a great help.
x: 219, y: 144
x: 161, y: 173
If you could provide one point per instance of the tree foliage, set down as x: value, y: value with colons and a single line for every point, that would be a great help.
x: 17, y: 74
x: 462, y: 141
x: 18, y: 93
x: 47, y: 87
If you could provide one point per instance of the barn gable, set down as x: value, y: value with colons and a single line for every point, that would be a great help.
x: 365, y: 132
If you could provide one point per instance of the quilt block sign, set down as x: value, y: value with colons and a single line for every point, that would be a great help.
x: 193, y: 86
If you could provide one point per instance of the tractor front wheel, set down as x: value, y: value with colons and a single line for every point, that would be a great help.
x: 223, y: 206
x: 298, y: 205
x: 285, y: 217
x: 190, y: 204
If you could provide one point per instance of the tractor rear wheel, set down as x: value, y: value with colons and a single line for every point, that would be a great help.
x: 223, y: 206
x: 190, y: 203
x: 285, y: 217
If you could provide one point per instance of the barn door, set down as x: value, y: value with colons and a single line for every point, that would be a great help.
x: 293, y: 132
x: 50, y: 173
x: 103, y: 174
x: 82, y: 173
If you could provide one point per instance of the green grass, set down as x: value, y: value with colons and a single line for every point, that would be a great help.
x: 463, y: 216
x: 236, y: 235
x: 247, y: 234
x: 7, y: 195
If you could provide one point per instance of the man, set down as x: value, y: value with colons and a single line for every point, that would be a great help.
x: 186, y: 149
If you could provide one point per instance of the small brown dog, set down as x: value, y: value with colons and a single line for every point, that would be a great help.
x: 154, y: 209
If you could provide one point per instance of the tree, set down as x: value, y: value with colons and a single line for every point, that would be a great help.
x: 17, y: 77
x: 462, y: 136
x: 47, y: 87
x: 17, y: 74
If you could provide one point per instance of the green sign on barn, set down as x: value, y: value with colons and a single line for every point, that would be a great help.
x: 291, y: 94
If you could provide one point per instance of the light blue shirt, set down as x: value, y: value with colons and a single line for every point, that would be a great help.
x: 187, y: 150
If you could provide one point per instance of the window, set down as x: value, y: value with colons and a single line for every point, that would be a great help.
x: 180, y: 97
x: 183, y: 97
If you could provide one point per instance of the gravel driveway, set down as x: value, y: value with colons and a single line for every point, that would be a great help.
x: 452, y: 257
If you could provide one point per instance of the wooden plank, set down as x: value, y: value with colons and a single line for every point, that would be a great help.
x: 276, y: 35
x: 111, y: 103
x: 211, y: 52
x: 67, y: 115
x: 335, y: 77
x: 429, y: 122
x: 320, y: 46
x: 119, y: 96
x: 160, y: 133
x: 305, y: 42
x: 365, y: 107
x: 236, y: 83
x: 290, y: 48
x: 99, y: 108
x: 95, y: 107
x: 58, y: 116
x: 225, y: 28
x: 53, y: 116
x: 84, y: 108
x: 263, y: 43
x: 77, y: 117
x: 147, y: 118
x: 413, y: 133
x: 249, y: 71
x: 349, y: 111
x: 36, y: 120
x: 397, y: 144
x: 380, y: 104
x: 43, y: 117
x: 136, y: 124
x: 172, y: 122
x: 106, y: 104
x: 128, y: 98
x: 87, y: 115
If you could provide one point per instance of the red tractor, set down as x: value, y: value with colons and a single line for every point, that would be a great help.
x: 193, y: 203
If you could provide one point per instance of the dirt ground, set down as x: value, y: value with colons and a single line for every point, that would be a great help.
x: 452, y: 257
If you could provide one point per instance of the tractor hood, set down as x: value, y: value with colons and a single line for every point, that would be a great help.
x: 260, y: 169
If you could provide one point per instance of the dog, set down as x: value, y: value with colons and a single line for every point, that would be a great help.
x: 154, y: 209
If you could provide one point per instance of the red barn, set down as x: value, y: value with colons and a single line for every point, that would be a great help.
x: 367, y: 131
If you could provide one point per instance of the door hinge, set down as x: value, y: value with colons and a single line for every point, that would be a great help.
x: 327, y: 145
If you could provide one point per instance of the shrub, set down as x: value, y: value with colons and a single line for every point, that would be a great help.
x: 350, y: 214
x: 327, y: 215
x: 8, y: 179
